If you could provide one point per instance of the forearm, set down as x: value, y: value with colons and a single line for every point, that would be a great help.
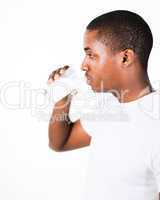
x: 59, y: 124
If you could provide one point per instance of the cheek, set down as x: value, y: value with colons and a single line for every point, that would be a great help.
x: 107, y: 70
x: 94, y: 69
x: 109, y: 74
x: 96, y: 76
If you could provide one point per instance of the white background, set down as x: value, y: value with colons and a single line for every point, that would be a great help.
x: 35, y: 35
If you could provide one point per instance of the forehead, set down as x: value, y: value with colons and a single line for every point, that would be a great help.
x: 92, y: 43
x: 90, y: 38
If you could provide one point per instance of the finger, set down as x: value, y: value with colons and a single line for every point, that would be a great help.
x: 65, y: 67
x: 56, y: 76
x: 49, y: 81
x: 52, y: 75
x: 61, y: 71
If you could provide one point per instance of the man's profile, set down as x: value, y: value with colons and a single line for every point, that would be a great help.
x: 125, y: 158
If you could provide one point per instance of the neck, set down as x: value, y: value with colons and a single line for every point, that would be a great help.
x: 134, y: 91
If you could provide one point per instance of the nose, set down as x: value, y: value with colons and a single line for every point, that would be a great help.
x: 84, y: 66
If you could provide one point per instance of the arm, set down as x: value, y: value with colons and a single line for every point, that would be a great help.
x: 65, y: 136
x: 78, y: 138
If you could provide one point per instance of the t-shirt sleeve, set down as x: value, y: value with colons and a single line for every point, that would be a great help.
x: 79, y: 110
x: 155, y: 162
x: 76, y: 107
x: 86, y: 126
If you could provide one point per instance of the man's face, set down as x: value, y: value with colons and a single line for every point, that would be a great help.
x: 101, y: 65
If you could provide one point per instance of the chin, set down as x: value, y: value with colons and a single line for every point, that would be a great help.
x: 98, y: 90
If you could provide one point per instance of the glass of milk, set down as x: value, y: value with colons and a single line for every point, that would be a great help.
x: 72, y: 79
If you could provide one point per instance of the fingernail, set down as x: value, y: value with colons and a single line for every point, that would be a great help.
x: 61, y: 71
x: 56, y: 76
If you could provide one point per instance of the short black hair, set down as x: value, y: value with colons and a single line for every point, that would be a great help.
x: 123, y: 29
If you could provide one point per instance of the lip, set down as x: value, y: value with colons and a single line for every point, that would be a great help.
x: 87, y: 76
x: 88, y: 79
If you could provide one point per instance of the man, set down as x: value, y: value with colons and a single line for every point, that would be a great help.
x: 125, y: 157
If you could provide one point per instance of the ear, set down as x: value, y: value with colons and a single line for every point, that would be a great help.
x: 127, y: 57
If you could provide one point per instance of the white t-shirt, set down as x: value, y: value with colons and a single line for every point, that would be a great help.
x: 124, y: 159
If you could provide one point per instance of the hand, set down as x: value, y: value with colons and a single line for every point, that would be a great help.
x: 67, y: 89
x: 56, y: 74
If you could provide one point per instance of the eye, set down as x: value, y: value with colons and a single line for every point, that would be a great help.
x: 90, y: 55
